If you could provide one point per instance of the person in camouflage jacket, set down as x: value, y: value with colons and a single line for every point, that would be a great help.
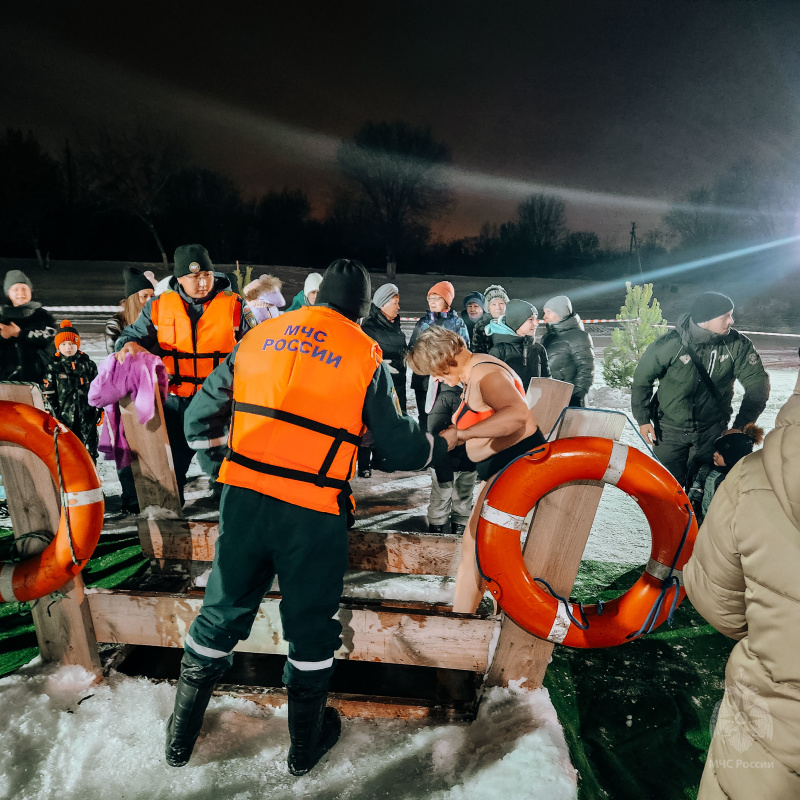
x: 66, y: 387
x: 684, y: 419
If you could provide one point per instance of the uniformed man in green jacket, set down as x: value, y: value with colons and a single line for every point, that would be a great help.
x: 296, y: 393
x: 695, y: 366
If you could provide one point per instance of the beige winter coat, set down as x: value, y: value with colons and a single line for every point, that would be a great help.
x: 744, y: 578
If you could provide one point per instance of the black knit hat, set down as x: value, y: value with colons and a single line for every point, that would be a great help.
x: 517, y: 312
x: 191, y: 258
x: 710, y: 305
x: 733, y: 446
x: 346, y: 286
x: 135, y: 281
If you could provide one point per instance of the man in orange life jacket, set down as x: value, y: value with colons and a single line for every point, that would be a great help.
x: 298, y: 392
x: 193, y: 326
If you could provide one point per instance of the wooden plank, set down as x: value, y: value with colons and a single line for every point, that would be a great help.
x: 547, y: 398
x: 357, y: 706
x: 380, y: 551
x: 153, y: 470
x: 454, y: 641
x: 553, y: 550
x: 63, y: 628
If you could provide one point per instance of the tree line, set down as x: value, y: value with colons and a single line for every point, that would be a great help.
x: 135, y: 195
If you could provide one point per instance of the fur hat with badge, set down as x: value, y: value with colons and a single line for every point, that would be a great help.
x: 67, y: 334
x: 190, y: 259
x: 492, y: 293
x: 346, y: 287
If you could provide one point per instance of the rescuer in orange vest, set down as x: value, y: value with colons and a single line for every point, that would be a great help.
x: 193, y: 326
x: 292, y: 400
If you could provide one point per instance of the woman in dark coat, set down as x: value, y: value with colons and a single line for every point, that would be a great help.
x: 383, y: 325
x: 27, y: 331
x: 570, y: 351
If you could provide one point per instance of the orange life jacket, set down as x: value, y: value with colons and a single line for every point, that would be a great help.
x: 299, y: 386
x: 465, y: 417
x: 190, y: 362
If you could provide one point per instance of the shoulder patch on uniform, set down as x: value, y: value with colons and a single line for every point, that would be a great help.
x: 686, y: 358
x: 752, y: 358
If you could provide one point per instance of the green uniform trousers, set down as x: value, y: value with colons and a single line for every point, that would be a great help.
x: 259, y: 537
x: 684, y: 451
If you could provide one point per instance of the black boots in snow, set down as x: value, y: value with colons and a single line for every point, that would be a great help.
x: 195, y: 688
x: 313, y: 729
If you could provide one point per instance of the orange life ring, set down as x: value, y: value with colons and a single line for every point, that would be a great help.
x: 645, y: 605
x: 82, y: 504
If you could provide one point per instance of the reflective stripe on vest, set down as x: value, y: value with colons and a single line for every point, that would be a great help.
x: 465, y: 417
x: 299, y: 386
x: 188, y: 362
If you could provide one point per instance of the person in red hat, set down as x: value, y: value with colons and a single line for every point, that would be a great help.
x: 440, y: 298
x: 66, y: 387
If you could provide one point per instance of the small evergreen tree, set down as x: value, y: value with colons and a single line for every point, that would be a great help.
x: 631, y: 339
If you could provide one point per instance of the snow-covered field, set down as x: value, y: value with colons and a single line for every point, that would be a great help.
x: 64, y: 736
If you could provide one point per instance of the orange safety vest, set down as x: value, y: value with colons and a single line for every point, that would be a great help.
x: 188, y: 361
x: 465, y: 417
x: 299, y: 386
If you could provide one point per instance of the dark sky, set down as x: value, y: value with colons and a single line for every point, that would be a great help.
x: 601, y: 100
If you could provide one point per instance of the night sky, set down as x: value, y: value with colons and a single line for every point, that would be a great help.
x: 646, y: 99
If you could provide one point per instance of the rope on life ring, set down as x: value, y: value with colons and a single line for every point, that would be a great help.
x: 82, y: 505
x: 531, y: 602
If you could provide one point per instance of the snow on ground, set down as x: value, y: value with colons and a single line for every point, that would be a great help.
x: 64, y: 736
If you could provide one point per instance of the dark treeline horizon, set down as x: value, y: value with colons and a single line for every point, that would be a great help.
x: 136, y: 196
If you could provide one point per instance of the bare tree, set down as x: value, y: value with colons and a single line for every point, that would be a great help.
x: 543, y: 221
x: 398, y: 169
x: 129, y: 170
x: 30, y: 189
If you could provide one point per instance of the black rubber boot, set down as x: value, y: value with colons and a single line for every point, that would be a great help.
x: 313, y: 729
x: 195, y: 688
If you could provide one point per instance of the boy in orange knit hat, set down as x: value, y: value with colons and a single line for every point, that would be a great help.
x: 66, y: 387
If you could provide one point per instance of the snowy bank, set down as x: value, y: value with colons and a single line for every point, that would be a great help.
x: 65, y: 736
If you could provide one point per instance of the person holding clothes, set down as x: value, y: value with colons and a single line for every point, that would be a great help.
x: 382, y: 324
x: 742, y: 578
x: 493, y: 420
x: 728, y: 450
x: 696, y: 366
x: 264, y: 297
x: 192, y: 326
x: 473, y: 311
x: 495, y: 299
x: 514, y: 338
x: 26, y: 331
x: 452, y: 482
x: 139, y: 288
x: 570, y: 350
x: 440, y: 298
x: 66, y: 387
x: 307, y: 297
x: 286, y: 502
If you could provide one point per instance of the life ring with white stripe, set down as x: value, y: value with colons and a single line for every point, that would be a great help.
x: 82, y: 504
x: 529, y: 601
